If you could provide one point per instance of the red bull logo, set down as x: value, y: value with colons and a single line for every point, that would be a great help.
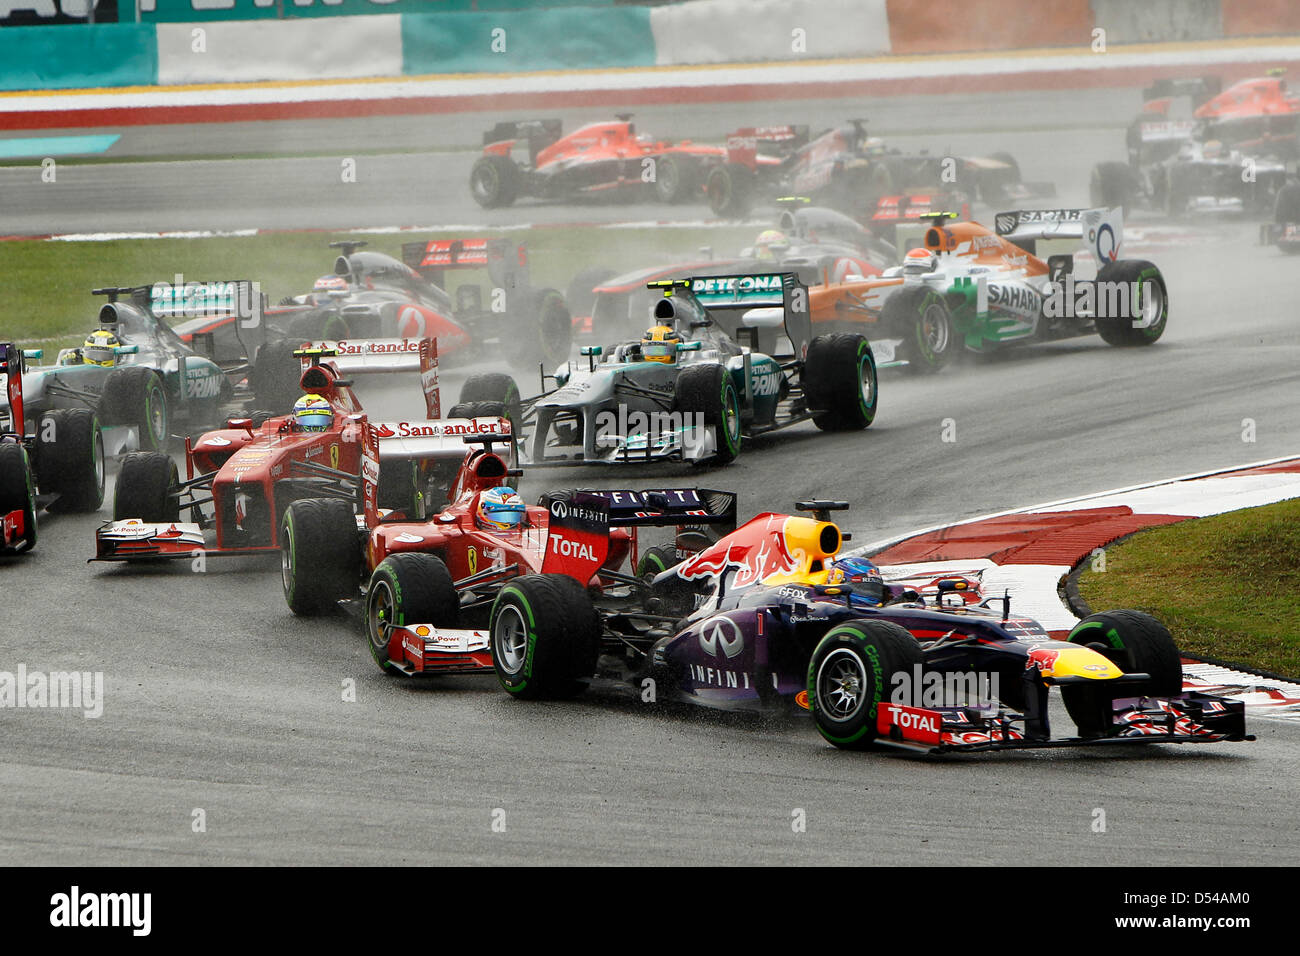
x: 756, y: 551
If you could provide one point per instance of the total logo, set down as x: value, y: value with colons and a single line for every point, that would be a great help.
x: 571, y: 549
x: 721, y: 634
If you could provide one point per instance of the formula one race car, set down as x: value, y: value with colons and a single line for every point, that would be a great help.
x: 240, y: 479
x: 428, y: 581
x: 773, y: 617
x: 59, y: 466
x: 818, y: 244
x: 969, y: 287
x: 598, y: 159
x: 690, y: 390
x: 1194, y: 149
x: 373, y: 310
x: 136, y: 373
x: 847, y: 170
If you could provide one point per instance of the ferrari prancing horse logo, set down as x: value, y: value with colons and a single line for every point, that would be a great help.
x: 334, y: 456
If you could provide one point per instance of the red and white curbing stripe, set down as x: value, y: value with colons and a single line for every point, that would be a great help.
x: 1029, y: 551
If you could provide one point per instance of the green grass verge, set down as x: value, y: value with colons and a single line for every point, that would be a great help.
x: 1225, y: 586
x: 47, y: 283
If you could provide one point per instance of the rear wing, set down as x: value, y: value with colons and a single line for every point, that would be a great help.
x: 383, y: 355
x: 505, y: 260
x: 215, y: 299
x: 665, y: 507
x: 1102, y: 230
x: 744, y: 144
x: 539, y: 133
x: 767, y: 301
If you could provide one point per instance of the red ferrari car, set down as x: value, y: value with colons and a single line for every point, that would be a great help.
x: 241, y: 479
x: 597, y: 159
x: 429, y: 582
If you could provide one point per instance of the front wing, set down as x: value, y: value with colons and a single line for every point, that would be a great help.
x: 1189, y: 718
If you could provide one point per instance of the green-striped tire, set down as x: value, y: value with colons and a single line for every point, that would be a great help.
x: 545, y: 636
x: 849, y: 677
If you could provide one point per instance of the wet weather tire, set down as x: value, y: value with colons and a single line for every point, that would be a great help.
x: 320, y: 554
x: 17, y: 492
x: 1152, y: 307
x: 134, y: 395
x: 70, y: 459
x: 494, y: 181
x: 408, y: 588
x: 839, y: 382
x: 708, y: 390
x: 545, y: 636
x: 147, y: 488
x: 676, y: 179
x: 1138, y: 644
x: 850, y: 676
x: 920, y: 317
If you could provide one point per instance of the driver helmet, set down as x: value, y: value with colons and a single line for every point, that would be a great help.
x: 100, y: 348
x: 1212, y: 149
x: 70, y: 357
x: 860, y: 578
x: 659, y: 344
x: 501, y: 508
x: 313, y: 413
x: 770, y: 245
x: 919, y: 261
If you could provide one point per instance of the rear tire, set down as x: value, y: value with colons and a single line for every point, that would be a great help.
x: 148, y: 488
x: 494, y: 387
x: 920, y: 317
x: 1153, y: 302
x: 545, y: 636
x: 320, y: 555
x: 275, y: 375
x: 839, y: 382
x: 709, y: 390
x: 1138, y: 644
x: 849, y: 676
x: 134, y: 395
x: 1287, y: 210
x: 17, y: 492
x: 730, y: 190
x: 408, y: 588
x: 70, y: 459
x: 494, y: 181
x: 550, y: 337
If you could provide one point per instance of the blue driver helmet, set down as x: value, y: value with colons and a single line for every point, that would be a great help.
x: 501, y: 508
x: 313, y: 413
x: 860, y: 578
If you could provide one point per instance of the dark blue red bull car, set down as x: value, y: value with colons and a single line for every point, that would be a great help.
x: 772, y: 616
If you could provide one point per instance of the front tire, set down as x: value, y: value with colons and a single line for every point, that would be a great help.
x: 407, y: 588
x: 850, y: 674
x: 1124, y: 328
x: 134, y: 395
x: 545, y: 636
x: 494, y: 387
x: 839, y: 382
x: 920, y: 317
x: 320, y: 557
x: 709, y: 391
x: 148, y: 488
x: 1113, y: 184
x: 1138, y: 644
x: 675, y: 179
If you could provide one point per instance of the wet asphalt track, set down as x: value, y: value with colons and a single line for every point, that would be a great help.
x: 217, y: 698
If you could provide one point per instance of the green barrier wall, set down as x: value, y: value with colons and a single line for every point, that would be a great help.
x: 182, y: 11
x: 72, y: 55
x: 555, y: 39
